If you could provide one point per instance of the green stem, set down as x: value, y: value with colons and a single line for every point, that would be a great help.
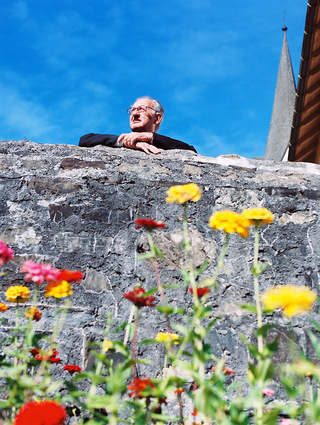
x: 134, y: 342
x: 256, y: 287
x: 188, y: 249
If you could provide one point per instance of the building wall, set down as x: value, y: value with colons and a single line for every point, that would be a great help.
x: 75, y: 208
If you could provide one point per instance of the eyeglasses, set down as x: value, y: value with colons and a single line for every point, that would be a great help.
x: 143, y: 108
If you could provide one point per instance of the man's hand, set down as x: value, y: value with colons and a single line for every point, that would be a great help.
x: 139, y: 140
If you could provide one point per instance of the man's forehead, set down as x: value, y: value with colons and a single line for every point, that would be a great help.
x: 147, y: 102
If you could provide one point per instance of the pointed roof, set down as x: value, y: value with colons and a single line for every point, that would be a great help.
x: 283, y: 106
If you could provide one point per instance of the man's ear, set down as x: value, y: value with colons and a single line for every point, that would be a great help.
x: 159, y: 118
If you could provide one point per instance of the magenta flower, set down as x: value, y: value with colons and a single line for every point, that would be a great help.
x: 39, y: 272
x: 267, y: 392
x: 6, y: 253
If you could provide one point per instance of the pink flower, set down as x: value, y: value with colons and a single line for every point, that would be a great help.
x: 267, y: 391
x: 6, y: 253
x: 287, y: 421
x: 39, y: 272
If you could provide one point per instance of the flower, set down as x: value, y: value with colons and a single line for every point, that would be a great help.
x: 58, y: 289
x: 34, y: 351
x: 69, y: 275
x: 149, y: 224
x: 47, y: 412
x: 230, y: 222
x: 287, y: 421
x: 226, y: 371
x: 258, y: 216
x: 107, y: 345
x: 200, y: 291
x: 3, y: 307
x: 293, y: 300
x: 39, y: 272
x: 71, y: 368
x: 138, y: 298
x: 179, y: 390
x: 267, y: 392
x: 6, y: 253
x: 33, y: 313
x: 49, y: 358
x: 139, y: 386
x: 184, y: 193
x: 18, y: 294
x: 167, y: 337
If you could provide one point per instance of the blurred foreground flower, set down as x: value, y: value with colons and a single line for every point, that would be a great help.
x: 200, y: 291
x: 52, y: 358
x: 230, y: 222
x: 3, y: 307
x: 39, y: 272
x: 268, y: 392
x: 184, y: 193
x: 17, y: 294
x: 107, y: 345
x: 138, y: 298
x: 71, y: 368
x: 226, y: 371
x: 33, y: 313
x: 139, y: 386
x: 167, y: 337
x: 69, y: 275
x: 258, y: 216
x: 293, y: 300
x: 6, y: 253
x: 47, y: 412
x: 149, y: 224
x: 58, y: 289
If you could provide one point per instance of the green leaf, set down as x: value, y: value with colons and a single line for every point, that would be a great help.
x: 258, y: 268
x: 249, y: 307
x: 263, y: 331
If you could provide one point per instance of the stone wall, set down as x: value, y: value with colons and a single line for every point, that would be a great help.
x: 75, y: 208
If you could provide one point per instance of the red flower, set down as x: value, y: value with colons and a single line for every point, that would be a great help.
x: 6, y: 253
x: 138, y: 386
x: 179, y: 390
x: 69, y: 275
x: 200, y: 291
x: 46, y: 412
x: 138, y: 298
x: 34, y: 351
x: 71, y: 368
x: 149, y: 224
x: 49, y: 358
x: 195, y: 412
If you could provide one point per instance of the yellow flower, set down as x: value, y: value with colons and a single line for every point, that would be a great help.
x: 184, y: 193
x: 230, y: 222
x: 58, y: 289
x: 107, y: 345
x: 3, y: 307
x: 258, y: 216
x: 18, y: 294
x: 293, y: 300
x: 167, y: 337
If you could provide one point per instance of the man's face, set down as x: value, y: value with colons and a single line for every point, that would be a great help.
x: 144, y: 120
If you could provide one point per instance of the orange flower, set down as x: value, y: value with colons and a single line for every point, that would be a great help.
x: 139, y: 386
x: 33, y: 313
x: 69, y: 276
x: 3, y: 307
x: 58, y: 289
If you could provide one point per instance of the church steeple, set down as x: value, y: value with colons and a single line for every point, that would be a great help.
x: 283, y: 107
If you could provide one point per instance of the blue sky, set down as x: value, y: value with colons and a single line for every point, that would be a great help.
x: 73, y: 67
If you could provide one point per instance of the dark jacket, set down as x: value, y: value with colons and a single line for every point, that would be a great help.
x: 161, y: 142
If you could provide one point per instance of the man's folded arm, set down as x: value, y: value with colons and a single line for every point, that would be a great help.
x: 166, y: 143
x: 92, y: 139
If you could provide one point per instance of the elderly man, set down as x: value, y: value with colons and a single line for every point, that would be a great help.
x: 146, y: 115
